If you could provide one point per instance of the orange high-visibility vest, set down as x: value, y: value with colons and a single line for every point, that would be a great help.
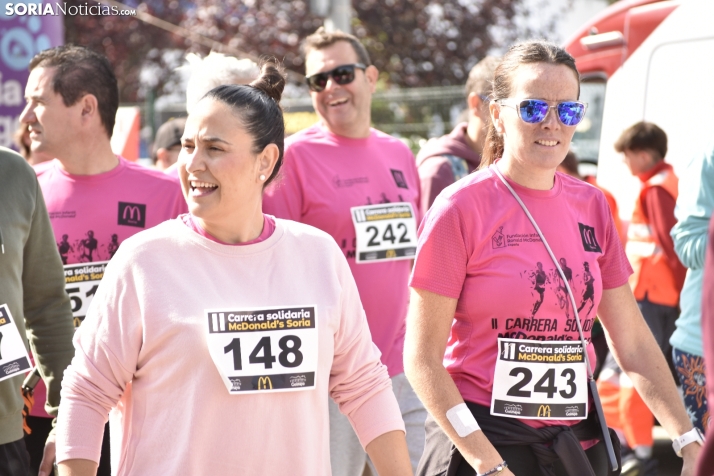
x: 652, y: 275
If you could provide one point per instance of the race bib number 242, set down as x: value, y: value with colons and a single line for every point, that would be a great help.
x: 385, y: 232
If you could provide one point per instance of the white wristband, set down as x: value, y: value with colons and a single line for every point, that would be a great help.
x: 462, y: 420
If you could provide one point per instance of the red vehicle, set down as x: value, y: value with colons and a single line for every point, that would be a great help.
x: 645, y: 60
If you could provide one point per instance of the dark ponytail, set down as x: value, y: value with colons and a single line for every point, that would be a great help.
x: 532, y: 51
x: 271, y: 80
x: 258, y: 107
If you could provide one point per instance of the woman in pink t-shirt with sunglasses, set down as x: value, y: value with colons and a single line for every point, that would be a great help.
x: 491, y: 349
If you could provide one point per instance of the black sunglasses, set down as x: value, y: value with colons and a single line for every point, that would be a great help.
x: 342, y: 75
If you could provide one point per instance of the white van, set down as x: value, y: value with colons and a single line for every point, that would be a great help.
x: 645, y: 60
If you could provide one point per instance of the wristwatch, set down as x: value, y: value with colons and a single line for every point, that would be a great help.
x: 689, y: 437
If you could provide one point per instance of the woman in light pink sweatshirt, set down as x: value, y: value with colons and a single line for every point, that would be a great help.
x: 217, y: 338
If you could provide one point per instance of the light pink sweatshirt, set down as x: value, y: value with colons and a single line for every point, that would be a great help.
x: 144, y: 348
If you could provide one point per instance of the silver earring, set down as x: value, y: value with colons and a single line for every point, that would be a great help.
x: 262, y: 177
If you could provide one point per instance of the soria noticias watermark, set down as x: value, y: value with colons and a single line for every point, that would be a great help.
x: 54, y: 9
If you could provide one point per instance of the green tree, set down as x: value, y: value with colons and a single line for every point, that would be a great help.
x: 412, y: 42
x: 131, y: 45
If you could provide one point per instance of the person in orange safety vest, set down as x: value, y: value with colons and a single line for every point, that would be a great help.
x: 656, y: 282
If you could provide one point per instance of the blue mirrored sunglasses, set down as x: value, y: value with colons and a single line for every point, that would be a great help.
x: 533, y: 111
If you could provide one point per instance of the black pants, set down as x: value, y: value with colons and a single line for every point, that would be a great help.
x: 14, y: 459
x: 522, y: 461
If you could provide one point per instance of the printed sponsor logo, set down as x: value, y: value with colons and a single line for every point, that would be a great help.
x: 346, y: 183
x: 544, y: 411
x: 264, y: 383
x: 298, y: 381
x: 10, y: 368
x: 132, y: 214
x: 391, y: 254
x: 512, y: 409
x: 498, y: 240
x: 572, y: 411
x: 235, y: 384
x: 399, y: 178
x: 63, y: 214
x: 587, y: 234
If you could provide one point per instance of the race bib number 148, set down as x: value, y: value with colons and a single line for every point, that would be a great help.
x: 268, y: 349
x: 540, y: 380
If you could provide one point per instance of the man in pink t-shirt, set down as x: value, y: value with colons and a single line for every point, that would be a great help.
x: 95, y: 199
x: 361, y: 186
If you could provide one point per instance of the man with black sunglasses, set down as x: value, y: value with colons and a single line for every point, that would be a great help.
x: 361, y: 186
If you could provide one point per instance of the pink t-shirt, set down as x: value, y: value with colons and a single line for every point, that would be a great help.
x: 477, y: 245
x: 92, y: 214
x: 322, y: 177
x: 98, y: 212
x: 268, y: 229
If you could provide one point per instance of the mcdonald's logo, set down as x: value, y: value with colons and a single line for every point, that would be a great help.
x: 264, y: 383
x: 391, y: 254
x: 587, y: 234
x: 544, y: 411
x: 132, y: 214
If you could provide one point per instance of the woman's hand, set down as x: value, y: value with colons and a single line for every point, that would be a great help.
x: 690, y: 453
x: 77, y: 467
x: 637, y: 353
x: 428, y: 325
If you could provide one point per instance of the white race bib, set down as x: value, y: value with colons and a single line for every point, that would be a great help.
x: 264, y: 349
x: 385, y: 232
x: 540, y: 380
x: 13, y: 354
x: 81, y: 283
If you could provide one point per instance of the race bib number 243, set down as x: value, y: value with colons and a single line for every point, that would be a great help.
x: 540, y: 380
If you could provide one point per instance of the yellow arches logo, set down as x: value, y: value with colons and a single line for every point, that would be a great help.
x: 544, y: 411
x: 264, y: 383
x: 391, y: 254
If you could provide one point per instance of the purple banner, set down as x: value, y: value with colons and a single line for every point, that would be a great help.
x: 22, y: 36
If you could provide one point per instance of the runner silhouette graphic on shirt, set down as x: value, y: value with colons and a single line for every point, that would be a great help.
x: 589, y: 293
x: 64, y: 248
x: 538, y: 278
x: 89, y: 245
x: 562, y: 290
x: 113, y: 246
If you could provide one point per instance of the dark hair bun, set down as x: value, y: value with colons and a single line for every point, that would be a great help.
x: 271, y: 80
